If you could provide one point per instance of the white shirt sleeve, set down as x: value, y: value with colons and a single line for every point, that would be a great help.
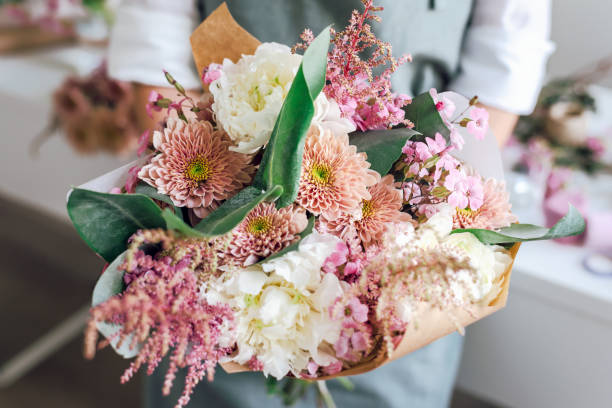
x: 505, y: 53
x: 152, y: 35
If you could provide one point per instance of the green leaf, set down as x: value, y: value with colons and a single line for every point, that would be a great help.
x: 173, y: 222
x: 426, y: 118
x: 150, y: 191
x: 383, y: 147
x: 282, y: 160
x: 571, y: 224
x: 110, y: 284
x: 295, y: 245
x: 106, y: 221
x: 232, y: 212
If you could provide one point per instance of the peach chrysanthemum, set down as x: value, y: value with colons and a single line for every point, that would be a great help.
x: 382, y: 208
x: 194, y: 166
x: 264, y: 232
x: 335, y: 177
x: 493, y: 214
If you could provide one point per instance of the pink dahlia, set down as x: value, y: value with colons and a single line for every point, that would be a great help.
x: 382, y: 208
x: 194, y: 166
x: 264, y: 232
x: 494, y: 213
x: 335, y: 177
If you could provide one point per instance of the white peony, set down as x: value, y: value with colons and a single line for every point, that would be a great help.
x: 282, y: 308
x: 248, y: 96
x: 487, y: 262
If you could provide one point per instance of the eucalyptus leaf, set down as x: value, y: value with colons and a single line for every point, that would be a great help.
x: 426, y: 118
x: 110, y: 284
x: 571, y: 224
x: 173, y: 222
x: 232, y: 212
x: 383, y: 147
x: 295, y: 245
x: 282, y: 160
x: 106, y: 221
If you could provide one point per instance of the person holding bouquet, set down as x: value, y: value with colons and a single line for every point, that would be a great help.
x: 496, y: 49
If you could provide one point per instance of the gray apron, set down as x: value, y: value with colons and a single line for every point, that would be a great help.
x: 432, y: 31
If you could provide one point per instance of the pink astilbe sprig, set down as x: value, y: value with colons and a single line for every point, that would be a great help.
x: 396, y: 281
x: 363, y: 97
x: 161, y: 310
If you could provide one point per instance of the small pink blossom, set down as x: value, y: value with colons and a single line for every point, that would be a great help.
x: 115, y: 190
x: 337, y: 258
x: 596, y: 146
x: 211, y: 73
x: 445, y: 106
x: 479, y: 122
x: 356, y: 310
x: 151, y: 105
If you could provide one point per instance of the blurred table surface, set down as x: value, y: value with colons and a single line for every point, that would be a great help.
x: 545, y: 272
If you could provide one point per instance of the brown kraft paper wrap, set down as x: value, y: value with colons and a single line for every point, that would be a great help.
x: 219, y: 37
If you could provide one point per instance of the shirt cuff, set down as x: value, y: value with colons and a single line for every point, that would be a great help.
x: 145, y: 41
x: 505, y: 69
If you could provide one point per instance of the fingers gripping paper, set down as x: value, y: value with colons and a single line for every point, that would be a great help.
x: 219, y: 37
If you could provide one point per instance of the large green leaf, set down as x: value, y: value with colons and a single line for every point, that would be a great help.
x: 295, y: 245
x: 282, y: 160
x: 106, y: 221
x: 110, y: 284
x: 571, y: 224
x: 426, y: 118
x: 383, y: 147
x: 225, y: 218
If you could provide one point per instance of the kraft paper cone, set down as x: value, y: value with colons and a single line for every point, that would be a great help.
x: 219, y: 37
x: 431, y: 324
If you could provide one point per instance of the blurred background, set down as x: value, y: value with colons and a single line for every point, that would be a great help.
x: 550, y: 347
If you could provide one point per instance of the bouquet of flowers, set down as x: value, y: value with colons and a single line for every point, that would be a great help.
x: 301, y: 219
x: 96, y: 114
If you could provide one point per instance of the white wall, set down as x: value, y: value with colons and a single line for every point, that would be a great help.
x: 582, y: 31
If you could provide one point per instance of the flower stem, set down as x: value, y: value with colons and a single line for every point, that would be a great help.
x: 325, y: 394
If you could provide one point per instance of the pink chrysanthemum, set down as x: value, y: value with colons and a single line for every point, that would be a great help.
x: 494, y: 212
x: 335, y: 178
x: 264, y: 232
x: 382, y: 208
x: 194, y: 166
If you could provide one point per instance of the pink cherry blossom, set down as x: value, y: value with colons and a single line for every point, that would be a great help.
x: 445, y: 106
x: 480, y: 122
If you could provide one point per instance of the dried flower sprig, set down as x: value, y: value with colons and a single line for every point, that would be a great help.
x: 162, y: 311
x: 363, y: 97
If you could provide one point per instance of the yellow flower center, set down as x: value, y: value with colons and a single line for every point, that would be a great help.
x: 198, y: 170
x: 367, y: 209
x: 259, y: 225
x: 321, y: 174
